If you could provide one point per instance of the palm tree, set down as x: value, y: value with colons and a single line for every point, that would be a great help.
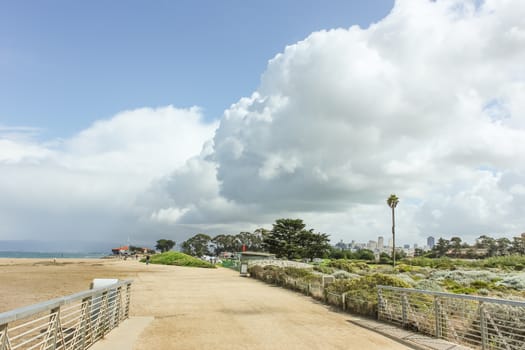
x: 392, y: 203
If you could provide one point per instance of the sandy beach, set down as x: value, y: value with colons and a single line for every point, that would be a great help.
x: 194, y: 308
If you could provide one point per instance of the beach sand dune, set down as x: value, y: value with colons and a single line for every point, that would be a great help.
x: 195, y: 308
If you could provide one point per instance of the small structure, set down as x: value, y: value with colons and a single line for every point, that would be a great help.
x: 247, y: 256
x: 120, y: 250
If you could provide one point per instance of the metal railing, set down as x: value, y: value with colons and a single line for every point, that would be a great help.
x: 477, y: 322
x: 73, y: 322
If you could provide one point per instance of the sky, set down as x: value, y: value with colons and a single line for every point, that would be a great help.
x: 133, y: 121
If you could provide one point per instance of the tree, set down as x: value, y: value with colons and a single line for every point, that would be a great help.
x: 455, y: 244
x: 392, y: 202
x: 441, y: 248
x: 197, y: 245
x: 313, y: 245
x: 283, y: 239
x: 164, y: 245
x: 503, y: 246
x: 518, y: 245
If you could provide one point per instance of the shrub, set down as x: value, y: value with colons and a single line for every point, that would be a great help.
x: 178, y: 259
x: 348, y: 266
x: 362, y: 292
x: 344, y: 275
x: 324, y: 269
x: 429, y: 285
x: 514, y: 282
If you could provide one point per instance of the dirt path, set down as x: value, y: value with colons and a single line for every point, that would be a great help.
x: 195, y: 308
x: 217, y: 309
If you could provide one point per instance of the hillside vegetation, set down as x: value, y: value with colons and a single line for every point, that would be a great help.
x: 178, y: 259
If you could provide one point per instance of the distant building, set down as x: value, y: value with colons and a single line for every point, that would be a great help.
x: 380, y: 242
x: 372, y: 245
x: 431, y: 242
x: 406, y: 246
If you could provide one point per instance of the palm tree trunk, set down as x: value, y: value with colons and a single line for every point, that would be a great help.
x: 393, y: 238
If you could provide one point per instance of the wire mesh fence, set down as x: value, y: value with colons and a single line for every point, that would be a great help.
x: 478, y: 322
x: 73, y: 322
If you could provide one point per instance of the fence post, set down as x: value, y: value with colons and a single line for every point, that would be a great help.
x: 343, y: 299
x: 380, y: 301
x: 3, y: 336
x: 54, y: 324
x: 128, y: 299
x: 404, y: 308
x: 483, y: 326
x: 437, y: 316
x: 86, y: 319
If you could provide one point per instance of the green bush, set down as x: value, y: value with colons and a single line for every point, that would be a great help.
x: 349, y: 266
x: 178, y: 259
x: 361, y: 293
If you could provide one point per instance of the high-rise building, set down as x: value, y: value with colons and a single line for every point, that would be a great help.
x: 431, y: 242
x: 380, y: 242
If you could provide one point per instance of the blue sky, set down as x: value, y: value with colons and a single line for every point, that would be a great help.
x: 64, y: 64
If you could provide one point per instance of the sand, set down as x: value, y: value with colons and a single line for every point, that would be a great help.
x: 195, y: 308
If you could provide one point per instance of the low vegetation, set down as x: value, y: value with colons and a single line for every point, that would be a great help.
x: 178, y: 259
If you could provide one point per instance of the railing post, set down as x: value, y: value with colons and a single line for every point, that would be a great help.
x: 404, y: 309
x: 104, y: 314
x: 3, y: 337
x: 343, y: 299
x: 437, y: 316
x: 483, y: 326
x: 85, y: 323
x: 380, y: 302
x: 52, y: 328
x: 128, y: 299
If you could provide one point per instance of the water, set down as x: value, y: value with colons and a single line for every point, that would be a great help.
x: 51, y: 255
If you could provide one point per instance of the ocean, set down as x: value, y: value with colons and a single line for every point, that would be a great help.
x: 51, y: 255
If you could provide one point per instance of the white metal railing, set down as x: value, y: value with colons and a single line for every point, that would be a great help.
x: 478, y: 322
x: 73, y: 322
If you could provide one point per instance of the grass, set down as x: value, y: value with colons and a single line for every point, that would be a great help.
x: 178, y: 259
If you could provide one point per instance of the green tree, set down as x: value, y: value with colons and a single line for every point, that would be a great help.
x: 487, y: 243
x: 365, y: 254
x: 197, y: 245
x: 503, y: 246
x: 392, y: 202
x: 164, y: 245
x: 283, y: 240
x: 442, y: 247
x: 313, y: 245
x: 455, y: 244
x: 518, y: 245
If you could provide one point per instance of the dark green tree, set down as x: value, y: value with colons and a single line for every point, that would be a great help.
x: 518, y: 246
x: 503, y: 246
x: 313, y: 245
x: 284, y: 238
x: 392, y: 202
x: 164, y: 245
x: 365, y: 254
x: 442, y: 247
x: 197, y: 245
x: 455, y: 244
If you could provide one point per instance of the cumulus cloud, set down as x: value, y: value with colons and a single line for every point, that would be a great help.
x: 427, y: 104
x: 87, y: 187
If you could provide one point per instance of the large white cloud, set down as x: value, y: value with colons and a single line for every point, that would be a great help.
x: 427, y: 104
x: 88, y: 187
